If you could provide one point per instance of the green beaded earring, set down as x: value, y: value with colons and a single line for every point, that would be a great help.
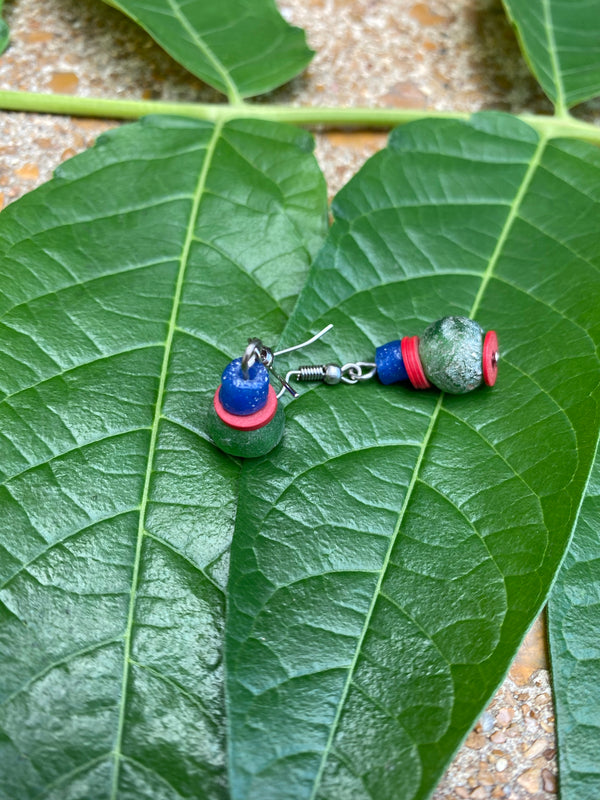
x: 454, y: 354
x: 246, y: 419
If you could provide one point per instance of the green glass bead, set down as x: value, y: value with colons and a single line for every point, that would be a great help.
x: 451, y: 351
x: 245, y: 444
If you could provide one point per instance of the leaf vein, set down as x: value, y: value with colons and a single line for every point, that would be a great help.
x: 153, y: 445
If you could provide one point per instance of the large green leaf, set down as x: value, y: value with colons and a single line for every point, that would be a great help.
x: 241, y: 47
x: 390, y: 555
x: 574, y: 627
x: 126, y: 284
x: 560, y: 41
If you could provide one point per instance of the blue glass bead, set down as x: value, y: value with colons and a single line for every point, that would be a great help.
x: 390, y: 366
x: 240, y: 395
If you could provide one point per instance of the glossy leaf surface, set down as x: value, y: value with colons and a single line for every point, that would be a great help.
x: 241, y: 47
x: 560, y: 41
x: 128, y: 282
x: 574, y: 625
x: 390, y: 555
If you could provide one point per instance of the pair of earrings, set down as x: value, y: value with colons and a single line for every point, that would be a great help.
x: 245, y: 419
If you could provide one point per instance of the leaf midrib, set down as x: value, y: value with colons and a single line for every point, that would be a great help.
x: 231, y: 90
x: 197, y: 197
x: 560, y: 107
x: 233, y: 94
x: 486, y: 277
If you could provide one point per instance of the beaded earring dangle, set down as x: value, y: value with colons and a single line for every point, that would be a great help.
x: 245, y: 419
x: 454, y: 354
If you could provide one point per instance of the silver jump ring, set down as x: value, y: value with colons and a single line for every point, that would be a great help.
x: 355, y: 373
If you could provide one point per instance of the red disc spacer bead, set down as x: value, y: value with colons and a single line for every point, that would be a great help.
x: 490, y: 358
x: 248, y: 422
x: 412, y: 361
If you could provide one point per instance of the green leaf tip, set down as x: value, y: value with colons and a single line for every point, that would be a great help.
x: 240, y: 47
x: 559, y: 40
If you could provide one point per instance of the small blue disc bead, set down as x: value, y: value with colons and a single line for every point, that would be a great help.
x: 390, y: 366
x: 240, y: 395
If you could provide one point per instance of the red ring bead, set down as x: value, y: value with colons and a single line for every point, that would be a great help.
x: 248, y: 422
x: 412, y: 362
x: 490, y: 358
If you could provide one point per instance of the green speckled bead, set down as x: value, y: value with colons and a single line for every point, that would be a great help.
x: 245, y: 444
x: 451, y: 351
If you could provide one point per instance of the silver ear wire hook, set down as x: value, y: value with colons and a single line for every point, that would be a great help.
x: 312, y: 339
x: 257, y: 351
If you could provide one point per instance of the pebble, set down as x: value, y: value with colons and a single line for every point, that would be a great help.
x: 548, y: 727
x: 28, y: 172
x: 484, y: 776
x: 64, y: 82
x: 425, y: 16
x: 501, y: 765
x: 475, y: 741
x: 513, y: 730
x: 504, y: 717
x: 530, y: 780
x: 486, y: 722
x: 38, y: 37
x: 479, y: 793
x: 536, y: 748
x: 521, y: 674
x: 549, y: 781
x: 498, y: 737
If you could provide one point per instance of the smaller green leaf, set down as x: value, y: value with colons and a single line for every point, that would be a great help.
x: 574, y: 623
x: 559, y: 39
x: 241, y: 47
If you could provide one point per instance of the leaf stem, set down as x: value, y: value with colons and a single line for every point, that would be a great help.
x: 549, y: 126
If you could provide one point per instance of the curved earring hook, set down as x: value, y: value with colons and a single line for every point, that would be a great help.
x: 256, y: 350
